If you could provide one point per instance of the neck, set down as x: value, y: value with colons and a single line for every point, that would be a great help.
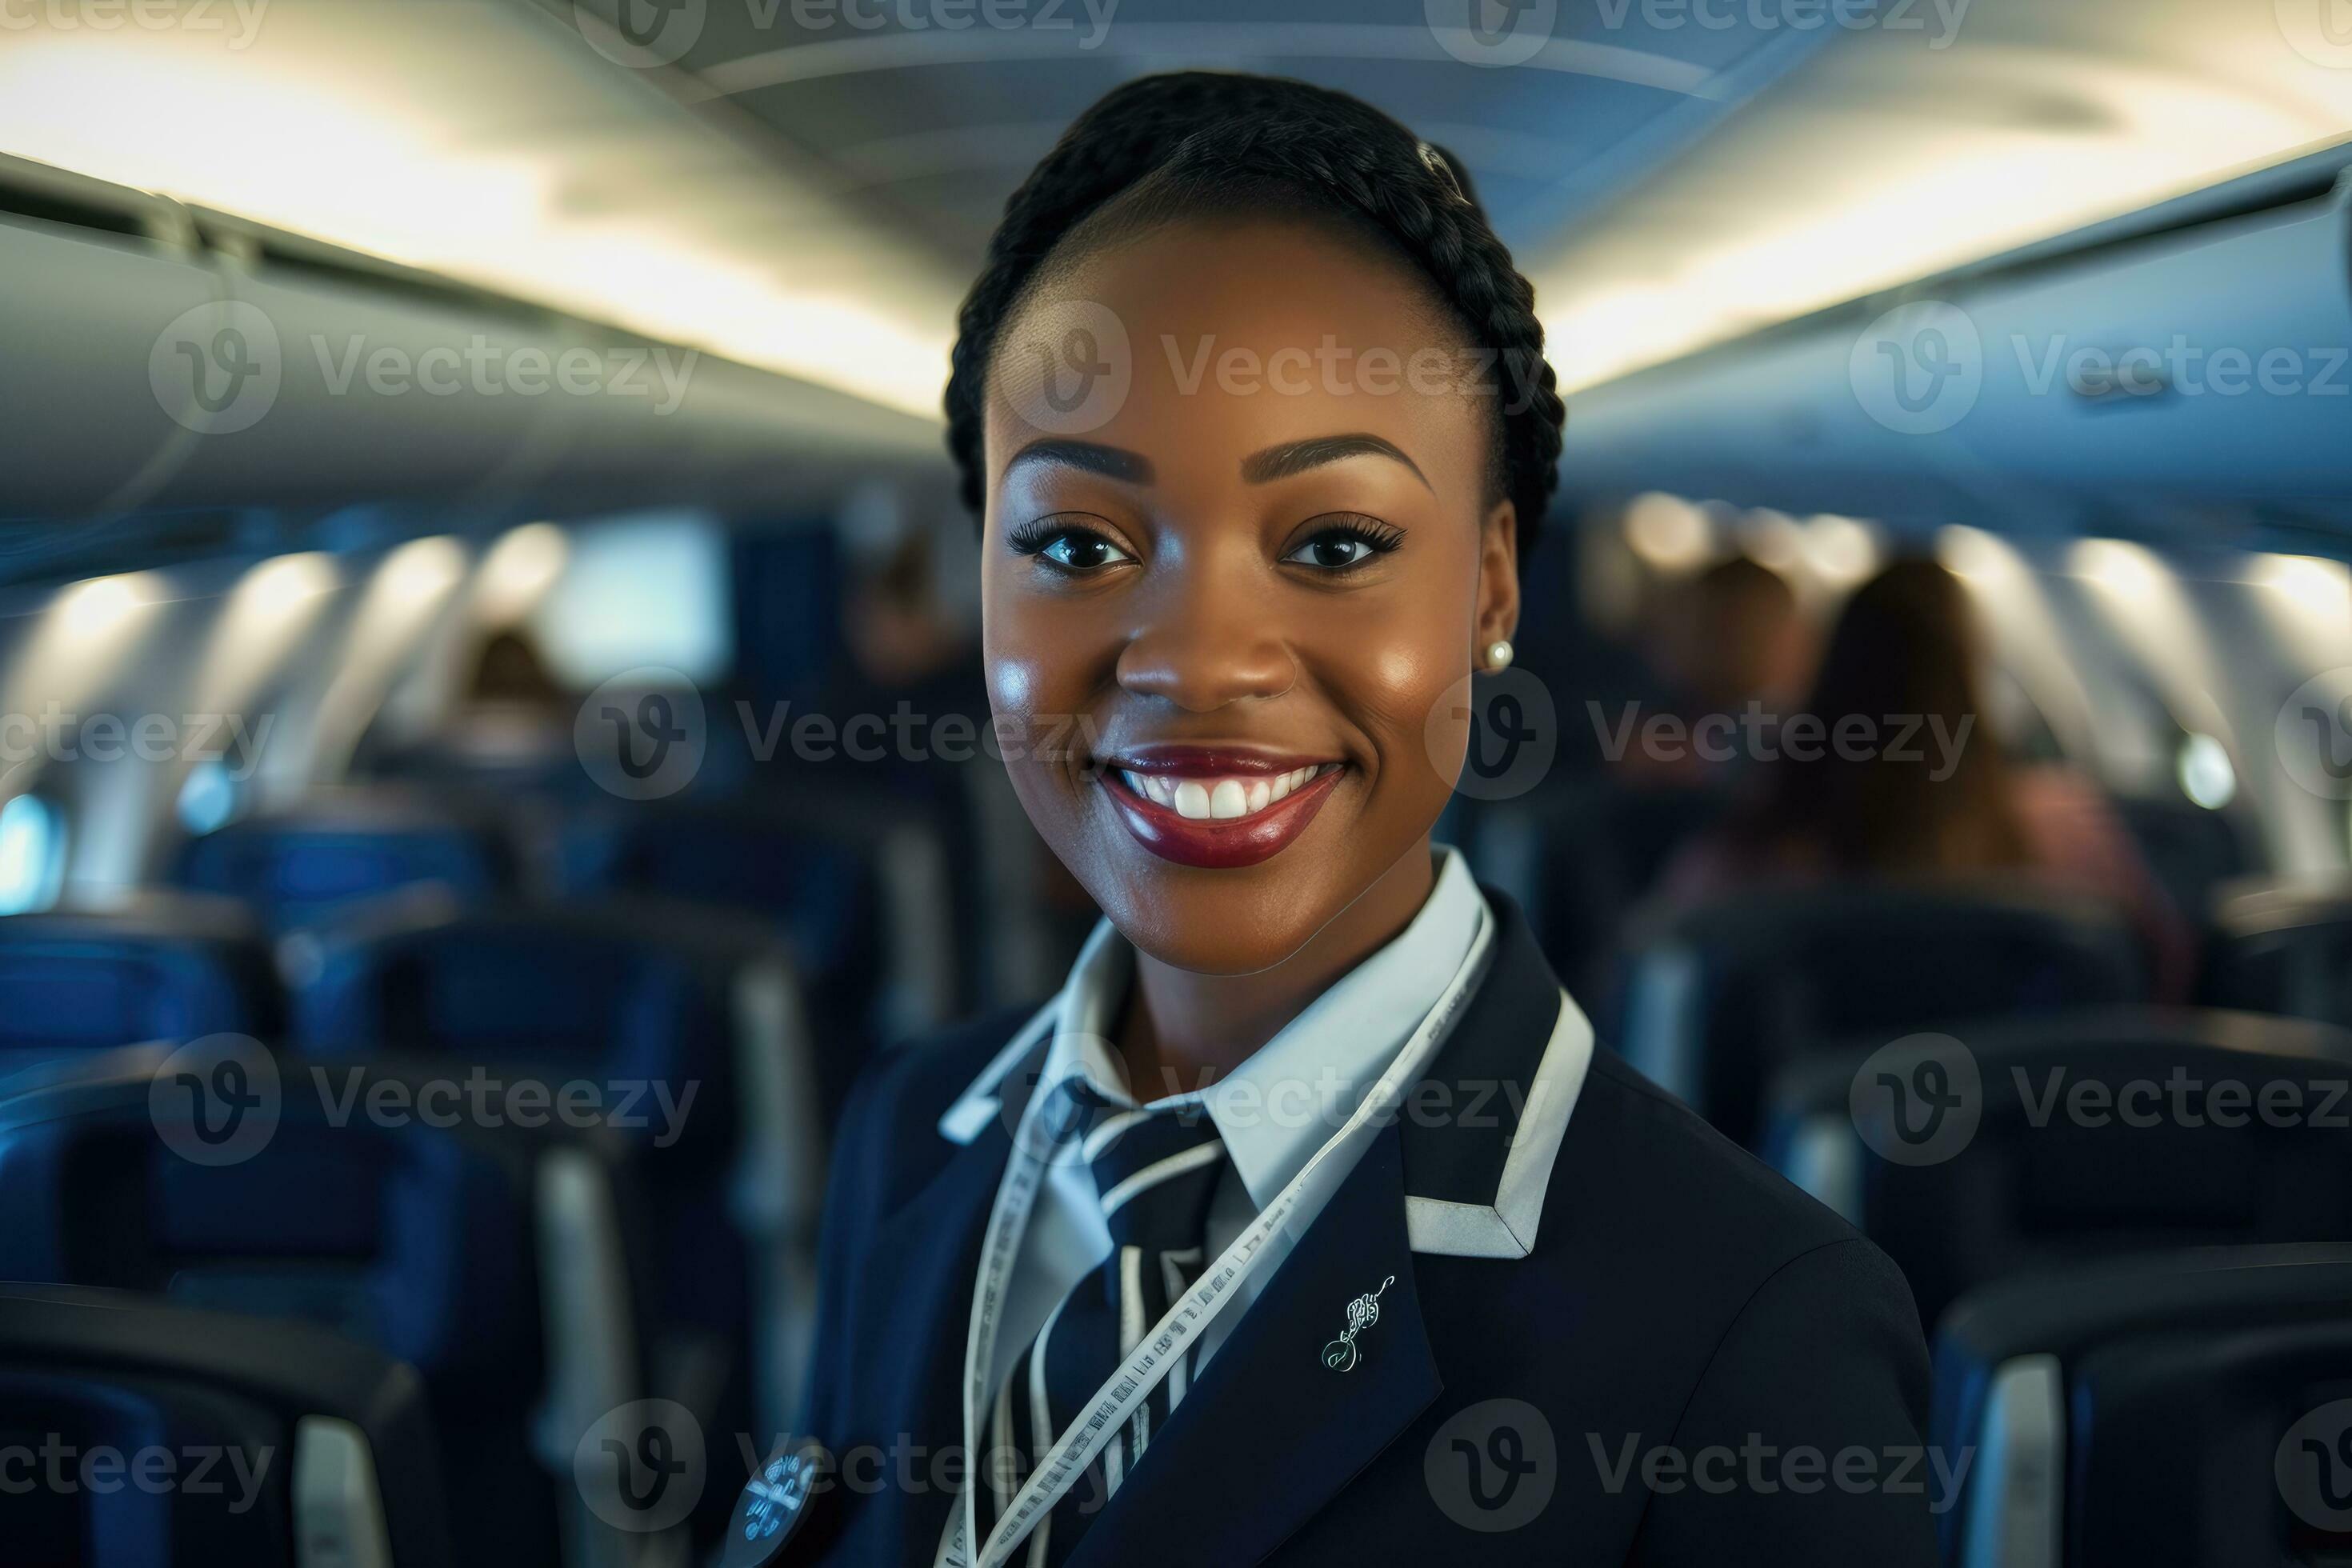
x: 1183, y: 1031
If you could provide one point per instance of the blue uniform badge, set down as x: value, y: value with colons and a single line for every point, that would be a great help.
x: 774, y: 1505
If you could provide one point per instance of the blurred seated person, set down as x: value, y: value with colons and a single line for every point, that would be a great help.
x: 1920, y: 785
x: 1731, y: 635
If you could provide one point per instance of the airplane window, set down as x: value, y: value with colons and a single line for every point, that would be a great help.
x: 32, y: 854
x: 208, y: 798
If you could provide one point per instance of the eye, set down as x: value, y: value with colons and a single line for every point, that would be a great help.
x: 1065, y: 546
x: 1344, y: 544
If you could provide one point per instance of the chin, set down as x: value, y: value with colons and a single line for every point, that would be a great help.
x: 1217, y: 930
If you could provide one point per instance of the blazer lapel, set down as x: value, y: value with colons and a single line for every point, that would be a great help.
x: 918, y: 1289
x: 1268, y: 1434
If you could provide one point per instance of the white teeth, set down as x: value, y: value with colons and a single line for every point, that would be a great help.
x: 1218, y: 799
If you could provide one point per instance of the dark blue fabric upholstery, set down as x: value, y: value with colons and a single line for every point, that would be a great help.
x: 163, y: 968
x: 417, y: 1240
x: 206, y: 1415
x: 295, y: 869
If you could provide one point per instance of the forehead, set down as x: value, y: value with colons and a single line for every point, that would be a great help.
x: 1197, y: 344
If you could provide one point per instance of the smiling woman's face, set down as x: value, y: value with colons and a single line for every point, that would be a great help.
x: 1221, y: 609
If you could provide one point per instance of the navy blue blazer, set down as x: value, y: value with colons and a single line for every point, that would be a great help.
x: 1693, y: 1363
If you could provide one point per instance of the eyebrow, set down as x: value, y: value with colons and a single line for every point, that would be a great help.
x: 1110, y: 462
x: 1298, y: 457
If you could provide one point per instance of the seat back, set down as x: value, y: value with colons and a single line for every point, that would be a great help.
x: 262, y: 1443
x: 2179, y: 1410
x: 161, y: 968
x: 687, y: 1023
x: 2190, y: 850
x: 841, y: 881
x: 1579, y: 859
x: 2283, y: 948
x: 2006, y: 1147
x: 296, y: 867
x: 1719, y: 998
x: 221, y: 1177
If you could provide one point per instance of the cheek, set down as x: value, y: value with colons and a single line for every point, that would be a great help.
x: 1400, y: 673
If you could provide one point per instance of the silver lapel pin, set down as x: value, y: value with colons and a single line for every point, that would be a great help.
x: 1341, y: 1354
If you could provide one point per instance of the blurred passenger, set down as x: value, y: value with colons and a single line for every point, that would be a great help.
x: 1928, y: 792
x: 1731, y: 636
x: 509, y: 674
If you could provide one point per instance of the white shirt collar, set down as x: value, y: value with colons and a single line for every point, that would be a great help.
x: 1288, y: 1099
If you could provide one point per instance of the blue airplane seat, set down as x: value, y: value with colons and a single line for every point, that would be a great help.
x: 2170, y: 1410
x: 161, y: 966
x: 295, y: 867
x: 2006, y: 1145
x: 817, y: 876
x: 461, y: 1251
x: 265, y: 1444
x: 1716, y: 999
x: 688, y: 1021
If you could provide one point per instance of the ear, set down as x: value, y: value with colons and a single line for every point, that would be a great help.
x: 1498, y: 580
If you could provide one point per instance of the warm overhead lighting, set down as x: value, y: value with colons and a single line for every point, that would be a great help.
x: 1840, y: 549
x: 1668, y: 532
x: 92, y: 609
x: 1772, y: 539
x: 518, y: 570
x: 2126, y: 570
x: 420, y: 570
x: 297, y: 127
x: 282, y: 584
x: 1972, y: 553
x: 2318, y: 587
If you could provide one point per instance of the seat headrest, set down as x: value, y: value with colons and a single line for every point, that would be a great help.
x: 73, y: 979
x: 295, y: 867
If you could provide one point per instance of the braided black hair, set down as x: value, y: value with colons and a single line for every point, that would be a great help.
x: 1192, y: 137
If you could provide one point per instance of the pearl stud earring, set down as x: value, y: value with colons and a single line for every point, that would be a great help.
x: 1499, y: 655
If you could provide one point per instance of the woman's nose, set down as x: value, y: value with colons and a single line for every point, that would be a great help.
x: 1203, y: 647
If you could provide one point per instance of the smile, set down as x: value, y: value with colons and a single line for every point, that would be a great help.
x: 1214, y: 809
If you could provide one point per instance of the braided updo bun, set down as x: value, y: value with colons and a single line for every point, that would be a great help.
x: 1199, y: 142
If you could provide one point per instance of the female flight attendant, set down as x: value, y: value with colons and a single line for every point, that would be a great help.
x: 1305, y: 1222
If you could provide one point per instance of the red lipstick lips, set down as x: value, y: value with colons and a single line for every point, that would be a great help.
x: 1215, y: 807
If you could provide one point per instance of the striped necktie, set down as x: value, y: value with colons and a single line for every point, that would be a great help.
x: 1155, y: 1173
